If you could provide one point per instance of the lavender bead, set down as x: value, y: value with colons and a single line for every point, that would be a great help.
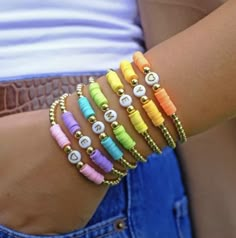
x: 71, y: 124
x: 100, y: 160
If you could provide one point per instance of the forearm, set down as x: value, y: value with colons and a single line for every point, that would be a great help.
x: 197, y: 67
x: 36, y: 179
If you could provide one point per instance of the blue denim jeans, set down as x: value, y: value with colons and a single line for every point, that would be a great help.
x: 149, y: 203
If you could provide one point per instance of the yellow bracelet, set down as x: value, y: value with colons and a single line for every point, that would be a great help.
x: 148, y: 105
x: 134, y: 115
x: 152, y: 79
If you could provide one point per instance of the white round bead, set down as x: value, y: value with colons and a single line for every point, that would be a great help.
x: 85, y: 142
x: 110, y: 116
x: 139, y: 91
x: 74, y: 157
x: 98, y: 127
x: 152, y: 78
x: 125, y: 100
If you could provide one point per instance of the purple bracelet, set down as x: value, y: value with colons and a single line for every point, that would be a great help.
x: 85, y: 142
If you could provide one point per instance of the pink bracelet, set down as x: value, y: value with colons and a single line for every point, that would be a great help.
x: 74, y: 156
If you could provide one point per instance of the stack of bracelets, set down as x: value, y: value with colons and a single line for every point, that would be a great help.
x: 124, y: 139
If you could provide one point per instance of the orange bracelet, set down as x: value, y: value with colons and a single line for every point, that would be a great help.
x: 148, y: 105
x: 152, y: 79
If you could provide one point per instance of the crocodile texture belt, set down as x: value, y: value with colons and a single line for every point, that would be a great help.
x: 36, y: 93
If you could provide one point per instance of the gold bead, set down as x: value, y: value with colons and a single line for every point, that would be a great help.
x: 167, y: 136
x: 174, y: 116
x: 79, y: 165
x: 89, y: 150
x: 120, y: 92
x: 51, y: 114
x: 130, y: 109
x: 102, y: 136
x: 156, y: 86
x: 151, y: 143
x: 127, y: 164
x: 55, y: 103
x: 114, y: 124
x: 67, y: 149
x: 104, y: 107
x: 78, y: 134
x: 146, y: 70
x: 92, y: 119
x: 144, y: 99
x: 79, y: 94
x: 91, y: 80
x: 134, y: 82
x: 178, y: 123
x: 119, y: 172
x: 112, y: 182
x: 63, y: 108
x: 52, y: 119
x: 137, y: 155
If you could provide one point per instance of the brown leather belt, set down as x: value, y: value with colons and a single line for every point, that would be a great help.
x: 36, y: 93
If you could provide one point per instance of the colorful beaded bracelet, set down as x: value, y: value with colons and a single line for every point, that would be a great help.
x: 110, y: 116
x: 98, y: 128
x: 85, y: 142
x: 134, y: 115
x: 148, y: 105
x: 74, y: 156
x: 152, y: 79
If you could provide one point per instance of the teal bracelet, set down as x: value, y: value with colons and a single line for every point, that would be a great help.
x: 98, y: 128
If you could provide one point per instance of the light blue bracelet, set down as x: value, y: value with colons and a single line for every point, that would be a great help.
x: 98, y: 127
x: 112, y: 148
x: 85, y: 107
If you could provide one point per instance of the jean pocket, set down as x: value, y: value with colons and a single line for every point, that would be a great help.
x: 182, y: 219
x: 111, y: 228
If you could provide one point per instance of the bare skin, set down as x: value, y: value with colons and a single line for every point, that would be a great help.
x: 208, y: 160
x: 40, y: 178
x: 209, y: 164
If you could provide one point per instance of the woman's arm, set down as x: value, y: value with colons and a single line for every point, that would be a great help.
x: 197, y: 67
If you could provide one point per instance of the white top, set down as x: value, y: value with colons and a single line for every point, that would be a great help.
x: 64, y: 37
